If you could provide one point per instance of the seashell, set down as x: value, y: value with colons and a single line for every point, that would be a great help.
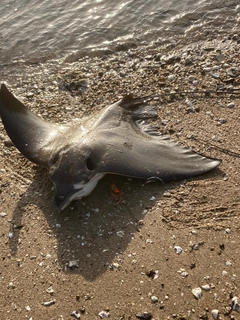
x: 197, y: 292
x: 75, y: 314
x: 73, y: 264
x: 178, y: 249
x: 215, y: 314
x: 183, y: 273
x: 103, y: 314
x: 206, y: 287
x: 235, y: 304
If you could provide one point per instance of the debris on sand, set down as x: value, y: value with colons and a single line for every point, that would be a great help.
x: 75, y: 314
x: 144, y: 316
x: 215, y: 314
x: 178, y: 249
x: 104, y: 314
x: 49, y: 303
x: 197, y: 292
x: 73, y: 264
x: 235, y: 304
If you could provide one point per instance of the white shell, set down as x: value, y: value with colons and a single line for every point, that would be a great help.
x: 206, y: 287
x: 235, y: 304
x: 197, y: 292
x: 103, y: 314
x: 215, y: 314
x: 183, y: 273
x: 178, y: 249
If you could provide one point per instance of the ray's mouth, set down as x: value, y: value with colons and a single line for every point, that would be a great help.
x: 61, y: 202
x: 75, y: 191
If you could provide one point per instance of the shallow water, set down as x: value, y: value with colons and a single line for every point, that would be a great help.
x: 45, y: 29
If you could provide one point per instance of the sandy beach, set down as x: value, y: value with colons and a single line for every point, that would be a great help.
x: 167, y: 251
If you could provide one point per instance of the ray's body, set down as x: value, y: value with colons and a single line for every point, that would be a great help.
x: 117, y: 142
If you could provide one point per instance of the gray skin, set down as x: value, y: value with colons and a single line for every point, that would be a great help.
x: 118, y: 141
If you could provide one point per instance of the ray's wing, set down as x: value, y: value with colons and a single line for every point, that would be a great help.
x: 29, y: 133
x: 138, y: 150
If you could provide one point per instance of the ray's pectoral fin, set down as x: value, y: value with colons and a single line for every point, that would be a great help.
x: 29, y: 133
x: 149, y: 155
x: 138, y: 108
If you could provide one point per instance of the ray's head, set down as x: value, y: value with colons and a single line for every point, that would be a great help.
x: 74, y: 173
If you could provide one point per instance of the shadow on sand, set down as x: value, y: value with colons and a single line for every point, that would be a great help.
x: 93, y: 231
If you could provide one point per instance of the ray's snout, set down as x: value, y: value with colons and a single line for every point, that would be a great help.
x: 63, y: 195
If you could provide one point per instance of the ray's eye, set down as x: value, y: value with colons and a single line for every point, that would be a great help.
x: 89, y: 164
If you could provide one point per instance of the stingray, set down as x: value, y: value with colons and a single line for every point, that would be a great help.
x: 118, y: 140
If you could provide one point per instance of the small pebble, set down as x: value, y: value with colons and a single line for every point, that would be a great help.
x: 115, y: 265
x: 228, y: 263
x: 144, y: 316
x: 183, y: 273
x: 207, y: 69
x: 11, y: 285
x: 120, y: 234
x: 3, y: 214
x: 231, y: 105
x: 30, y: 95
x: 154, y: 299
x: 220, y: 57
x: 191, y: 78
x: 171, y: 77
x: 215, y: 75
x: 73, y: 264
x: 222, y: 121
x: 206, y: 287
x: 50, y: 290
x: 194, y: 232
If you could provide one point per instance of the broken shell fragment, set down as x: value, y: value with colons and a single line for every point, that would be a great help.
x: 183, y: 273
x: 3, y: 214
x: 120, y: 234
x: 197, y: 292
x: 178, y: 249
x: 49, y: 303
x: 103, y: 314
x: 215, y: 314
x: 73, y: 264
x: 235, y: 304
x: 206, y: 287
x: 75, y: 314
x: 50, y: 290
